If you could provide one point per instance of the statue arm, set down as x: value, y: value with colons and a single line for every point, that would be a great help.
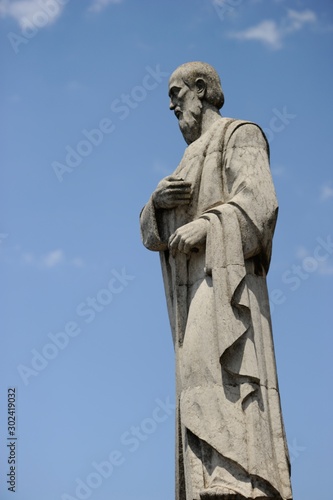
x: 149, y: 225
x: 171, y: 192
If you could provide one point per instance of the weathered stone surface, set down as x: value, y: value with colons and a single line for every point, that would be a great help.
x: 213, y: 221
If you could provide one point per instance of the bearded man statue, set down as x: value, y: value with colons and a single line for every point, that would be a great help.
x: 212, y: 221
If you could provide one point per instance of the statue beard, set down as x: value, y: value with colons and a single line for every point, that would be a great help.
x: 190, y: 123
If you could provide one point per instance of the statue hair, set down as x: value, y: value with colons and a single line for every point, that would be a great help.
x: 191, y: 71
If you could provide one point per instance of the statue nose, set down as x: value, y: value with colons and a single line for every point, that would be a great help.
x: 172, y: 106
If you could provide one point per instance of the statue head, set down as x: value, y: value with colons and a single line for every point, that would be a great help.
x: 193, y: 88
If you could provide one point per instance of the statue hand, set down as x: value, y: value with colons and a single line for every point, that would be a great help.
x: 172, y: 192
x: 187, y: 237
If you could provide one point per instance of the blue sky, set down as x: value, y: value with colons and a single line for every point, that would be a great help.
x: 87, y: 135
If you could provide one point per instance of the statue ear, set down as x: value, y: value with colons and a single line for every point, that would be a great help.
x: 201, y: 87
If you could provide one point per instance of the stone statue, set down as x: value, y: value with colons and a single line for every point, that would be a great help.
x: 212, y: 221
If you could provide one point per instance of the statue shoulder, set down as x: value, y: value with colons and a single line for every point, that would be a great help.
x: 230, y: 133
x: 242, y: 133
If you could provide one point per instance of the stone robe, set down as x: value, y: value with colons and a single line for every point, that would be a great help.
x: 229, y: 425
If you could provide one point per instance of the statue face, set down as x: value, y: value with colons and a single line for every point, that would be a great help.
x: 187, y: 107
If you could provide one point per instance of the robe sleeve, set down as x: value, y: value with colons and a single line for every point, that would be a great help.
x: 248, y: 187
x: 150, y: 232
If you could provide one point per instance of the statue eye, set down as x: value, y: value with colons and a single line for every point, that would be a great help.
x: 174, y: 91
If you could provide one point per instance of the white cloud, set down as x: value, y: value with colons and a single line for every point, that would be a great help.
x: 266, y: 32
x: 326, y: 192
x: 272, y: 33
x: 53, y: 258
x: 296, y: 19
x: 98, y: 5
x: 50, y: 260
x: 31, y: 11
x: 41, y: 13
